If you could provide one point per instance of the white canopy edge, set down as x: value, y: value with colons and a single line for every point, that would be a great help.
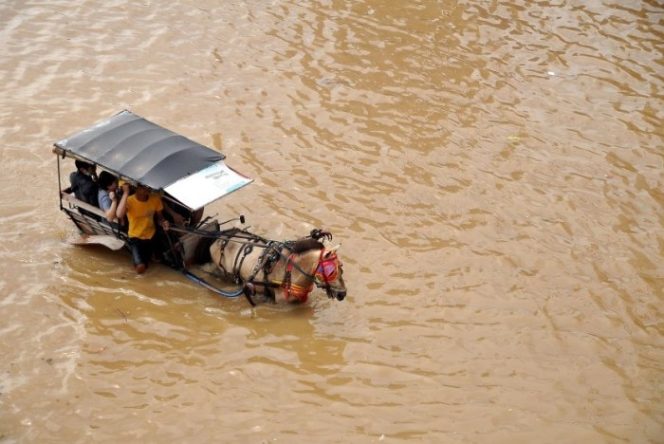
x: 207, y: 185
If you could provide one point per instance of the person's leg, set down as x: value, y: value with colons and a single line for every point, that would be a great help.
x: 166, y: 248
x: 146, y: 250
x: 138, y: 256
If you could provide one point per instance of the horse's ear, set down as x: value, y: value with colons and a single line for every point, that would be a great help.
x: 332, y: 250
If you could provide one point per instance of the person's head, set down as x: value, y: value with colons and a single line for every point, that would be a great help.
x: 107, y: 181
x: 142, y: 192
x: 83, y: 166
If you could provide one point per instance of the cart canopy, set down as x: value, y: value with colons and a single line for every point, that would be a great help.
x: 144, y: 152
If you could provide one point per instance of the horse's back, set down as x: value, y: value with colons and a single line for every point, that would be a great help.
x: 236, y: 257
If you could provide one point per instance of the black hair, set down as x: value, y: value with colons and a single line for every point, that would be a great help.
x: 81, y: 164
x: 105, y: 179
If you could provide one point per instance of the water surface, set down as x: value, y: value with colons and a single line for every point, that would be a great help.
x: 493, y: 171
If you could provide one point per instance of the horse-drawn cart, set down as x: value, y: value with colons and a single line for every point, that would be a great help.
x: 190, y: 176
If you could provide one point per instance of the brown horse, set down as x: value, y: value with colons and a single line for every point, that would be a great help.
x: 283, y: 271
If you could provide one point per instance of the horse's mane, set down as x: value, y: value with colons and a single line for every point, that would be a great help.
x: 306, y: 244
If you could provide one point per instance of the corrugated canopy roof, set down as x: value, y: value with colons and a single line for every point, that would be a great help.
x: 140, y: 150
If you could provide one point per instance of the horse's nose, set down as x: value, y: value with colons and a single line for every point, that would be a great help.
x: 341, y: 295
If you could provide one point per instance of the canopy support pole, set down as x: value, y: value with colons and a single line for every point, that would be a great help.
x: 59, y: 183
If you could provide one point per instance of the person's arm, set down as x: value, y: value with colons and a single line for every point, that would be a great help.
x: 161, y: 220
x: 159, y: 214
x: 121, y: 210
x: 112, y: 210
x: 72, y: 184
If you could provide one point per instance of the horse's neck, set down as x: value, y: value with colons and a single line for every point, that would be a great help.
x: 304, y: 262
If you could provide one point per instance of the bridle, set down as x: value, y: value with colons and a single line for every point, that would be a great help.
x: 327, y: 270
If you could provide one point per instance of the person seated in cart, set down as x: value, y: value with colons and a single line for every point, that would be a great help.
x: 141, y: 209
x: 84, y: 183
x: 108, y: 195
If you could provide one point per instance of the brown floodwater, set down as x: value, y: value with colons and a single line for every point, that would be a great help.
x: 492, y: 169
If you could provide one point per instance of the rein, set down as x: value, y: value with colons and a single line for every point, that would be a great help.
x: 223, y: 234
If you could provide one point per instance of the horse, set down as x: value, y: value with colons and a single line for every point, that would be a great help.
x: 283, y: 271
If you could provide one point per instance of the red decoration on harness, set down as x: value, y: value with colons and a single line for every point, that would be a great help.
x: 294, y: 291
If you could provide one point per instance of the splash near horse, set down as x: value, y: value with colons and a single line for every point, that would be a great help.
x: 281, y: 271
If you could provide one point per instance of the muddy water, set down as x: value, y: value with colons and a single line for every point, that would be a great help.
x: 492, y: 169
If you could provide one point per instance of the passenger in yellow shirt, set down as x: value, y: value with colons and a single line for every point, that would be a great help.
x: 141, y: 209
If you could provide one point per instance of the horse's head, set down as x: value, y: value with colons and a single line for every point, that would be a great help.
x: 329, y: 274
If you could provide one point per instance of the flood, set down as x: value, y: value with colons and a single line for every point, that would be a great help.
x: 493, y: 171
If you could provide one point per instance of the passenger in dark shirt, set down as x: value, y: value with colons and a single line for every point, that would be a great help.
x: 84, y: 183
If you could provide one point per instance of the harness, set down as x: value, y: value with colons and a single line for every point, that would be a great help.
x: 272, y: 252
x: 293, y: 290
x: 240, y: 256
x: 323, y: 271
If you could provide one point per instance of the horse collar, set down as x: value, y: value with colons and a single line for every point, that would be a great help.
x: 292, y: 290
